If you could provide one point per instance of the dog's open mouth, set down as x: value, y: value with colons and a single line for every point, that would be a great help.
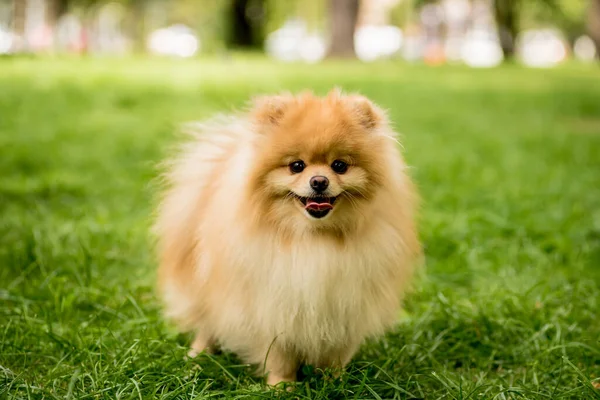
x: 317, y: 206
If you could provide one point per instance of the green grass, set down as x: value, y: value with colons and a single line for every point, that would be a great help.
x: 507, y: 161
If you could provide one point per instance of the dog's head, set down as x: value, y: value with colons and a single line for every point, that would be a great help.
x: 321, y: 161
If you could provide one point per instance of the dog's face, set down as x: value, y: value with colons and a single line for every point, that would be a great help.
x: 320, y: 160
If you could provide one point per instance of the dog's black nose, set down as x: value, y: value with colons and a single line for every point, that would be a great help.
x: 319, y: 183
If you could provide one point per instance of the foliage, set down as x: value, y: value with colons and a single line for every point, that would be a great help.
x: 208, y: 19
x: 566, y: 15
x: 312, y: 11
x: 212, y: 21
x: 507, y: 161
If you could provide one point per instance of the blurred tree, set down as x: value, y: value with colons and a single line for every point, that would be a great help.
x: 511, y: 15
x: 138, y: 29
x: 208, y: 18
x: 246, y: 23
x: 343, y: 15
x: 231, y: 23
x: 58, y: 7
x: 567, y: 15
x: 401, y: 13
x: 313, y: 12
x: 593, y: 24
x: 19, y: 11
x: 506, y: 13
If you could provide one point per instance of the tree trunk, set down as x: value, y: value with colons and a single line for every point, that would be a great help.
x: 240, y: 28
x: 56, y: 9
x: 593, y: 24
x: 19, y: 14
x: 246, y: 19
x: 137, y: 25
x: 506, y: 14
x: 342, y: 21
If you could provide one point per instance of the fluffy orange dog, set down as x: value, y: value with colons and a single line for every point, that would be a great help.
x: 287, y: 234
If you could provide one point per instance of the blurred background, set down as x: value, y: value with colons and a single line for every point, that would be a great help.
x: 478, y: 33
x: 506, y: 157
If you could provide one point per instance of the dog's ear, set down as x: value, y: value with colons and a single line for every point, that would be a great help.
x: 268, y: 110
x: 366, y: 113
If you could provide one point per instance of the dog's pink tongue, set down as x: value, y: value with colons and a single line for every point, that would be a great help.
x: 313, y: 205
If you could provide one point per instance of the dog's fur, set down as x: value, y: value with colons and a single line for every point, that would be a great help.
x: 244, y: 266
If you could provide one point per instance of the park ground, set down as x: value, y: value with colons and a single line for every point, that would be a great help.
x: 507, y: 161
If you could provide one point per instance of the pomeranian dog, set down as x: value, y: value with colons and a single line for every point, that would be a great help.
x: 287, y: 234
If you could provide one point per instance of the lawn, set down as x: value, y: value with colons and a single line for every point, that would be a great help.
x: 507, y: 161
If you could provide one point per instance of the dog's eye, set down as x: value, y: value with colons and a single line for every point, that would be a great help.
x: 297, y: 166
x: 339, y: 166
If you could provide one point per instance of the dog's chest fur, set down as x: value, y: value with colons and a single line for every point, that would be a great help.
x: 313, y: 294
